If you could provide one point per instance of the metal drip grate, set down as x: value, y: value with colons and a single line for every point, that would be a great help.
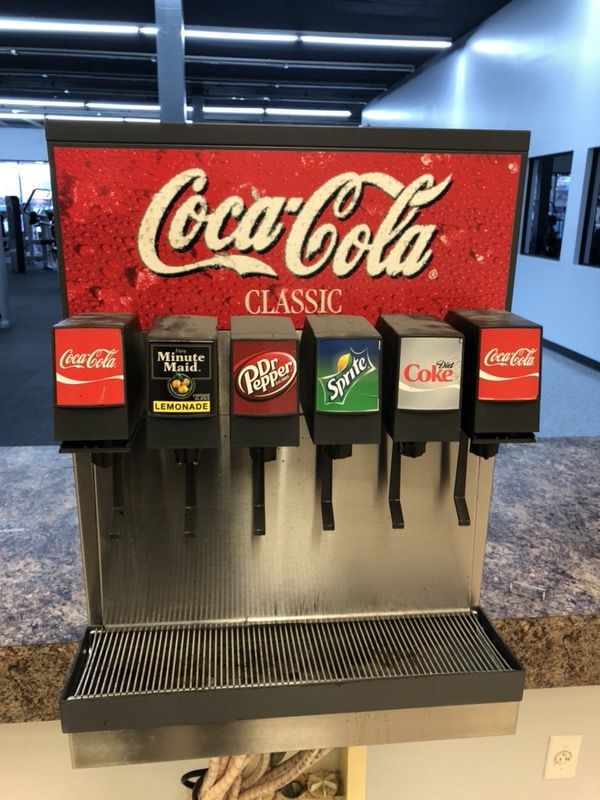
x: 142, y: 661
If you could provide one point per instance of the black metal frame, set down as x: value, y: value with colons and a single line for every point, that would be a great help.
x: 228, y: 705
x: 306, y: 137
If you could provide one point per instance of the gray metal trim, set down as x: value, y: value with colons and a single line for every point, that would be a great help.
x: 286, y: 136
x: 112, y: 748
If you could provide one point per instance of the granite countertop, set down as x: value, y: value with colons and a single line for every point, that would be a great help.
x: 541, y: 581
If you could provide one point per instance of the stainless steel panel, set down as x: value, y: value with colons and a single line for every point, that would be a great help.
x: 109, y: 748
x: 154, y: 573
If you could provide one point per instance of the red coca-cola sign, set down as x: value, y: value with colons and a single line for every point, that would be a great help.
x: 283, y: 232
x: 509, y: 364
x: 264, y: 381
x: 88, y: 367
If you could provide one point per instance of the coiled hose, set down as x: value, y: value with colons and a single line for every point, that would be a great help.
x: 224, y: 778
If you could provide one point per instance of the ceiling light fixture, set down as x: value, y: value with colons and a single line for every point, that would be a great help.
x: 124, y: 106
x: 240, y: 36
x: 81, y: 118
x: 47, y: 26
x: 375, y: 41
x: 233, y: 110
x: 308, y: 112
x: 14, y: 116
x: 17, y: 101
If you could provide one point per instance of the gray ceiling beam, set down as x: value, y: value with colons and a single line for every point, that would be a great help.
x: 170, y: 60
x: 281, y: 63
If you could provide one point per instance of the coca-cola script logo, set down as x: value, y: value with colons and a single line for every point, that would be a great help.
x: 264, y: 377
x: 400, y: 245
x: 89, y: 367
x: 509, y: 364
x: 101, y: 358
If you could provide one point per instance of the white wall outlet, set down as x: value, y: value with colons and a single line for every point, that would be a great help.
x: 561, y: 758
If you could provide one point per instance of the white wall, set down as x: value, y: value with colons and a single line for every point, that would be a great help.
x: 23, y: 144
x: 497, y: 768
x: 535, y: 65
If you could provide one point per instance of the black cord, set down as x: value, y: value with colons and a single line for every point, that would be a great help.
x: 195, y: 785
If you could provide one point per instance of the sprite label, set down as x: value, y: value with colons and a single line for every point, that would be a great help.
x: 347, y: 375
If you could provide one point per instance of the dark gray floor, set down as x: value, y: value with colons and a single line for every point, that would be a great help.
x: 25, y: 357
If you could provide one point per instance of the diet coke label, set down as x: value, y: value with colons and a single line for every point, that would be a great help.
x: 264, y: 380
x: 429, y: 373
x: 509, y: 367
x: 89, y: 367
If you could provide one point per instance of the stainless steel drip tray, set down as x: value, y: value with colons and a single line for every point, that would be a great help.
x: 144, y: 677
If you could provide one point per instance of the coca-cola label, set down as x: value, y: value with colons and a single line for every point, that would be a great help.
x: 429, y: 373
x: 88, y: 366
x: 509, y: 364
x: 283, y: 232
x: 264, y: 378
x: 181, y: 380
x: 347, y: 375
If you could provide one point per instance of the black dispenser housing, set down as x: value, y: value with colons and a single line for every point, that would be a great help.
x: 422, y: 369
x: 264, y: 396
x: 264, y: 382
x: 340, y: 381
x: 182, y: 400
x: 98, y: 382
x: 502, y: 372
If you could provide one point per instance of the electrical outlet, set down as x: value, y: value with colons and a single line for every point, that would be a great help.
x: 561, y: 758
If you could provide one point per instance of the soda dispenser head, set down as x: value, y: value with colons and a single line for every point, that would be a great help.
x: 97, y: 392
x: 340, y: 384
x: 97, y: 396
x: 264, y: 396
x: 422, y: 368
x: 182, y: 395
x: 501, y: 390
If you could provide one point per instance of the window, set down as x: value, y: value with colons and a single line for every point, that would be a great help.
x: 547, y: 192
x: 21, y: 178
x: 590, y: 243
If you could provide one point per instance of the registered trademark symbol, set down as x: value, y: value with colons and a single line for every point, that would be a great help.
x: 433, y: 274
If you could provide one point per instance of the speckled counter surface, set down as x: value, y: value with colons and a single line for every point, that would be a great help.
x: 543, y: 534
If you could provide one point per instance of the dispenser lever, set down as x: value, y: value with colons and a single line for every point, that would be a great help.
x: 460, y: 481
x: 259, y: 456
x: 326, y: 464
x: 189, y: 458
x: 113, y: 460
x: 394, y: 490
x: 189, y: 517
x: 326, y: 455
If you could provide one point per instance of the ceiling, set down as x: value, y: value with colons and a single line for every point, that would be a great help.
x: 122, y: 68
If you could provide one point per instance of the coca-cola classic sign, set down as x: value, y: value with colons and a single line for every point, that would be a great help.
x: 291, y: 232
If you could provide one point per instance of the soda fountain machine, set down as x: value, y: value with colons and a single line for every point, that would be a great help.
x: 204, y: 638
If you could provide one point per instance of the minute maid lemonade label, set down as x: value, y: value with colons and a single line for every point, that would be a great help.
x: 347, y: 375
x: 180, y: 379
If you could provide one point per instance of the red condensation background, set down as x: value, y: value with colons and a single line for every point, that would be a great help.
x: 103, y: 193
